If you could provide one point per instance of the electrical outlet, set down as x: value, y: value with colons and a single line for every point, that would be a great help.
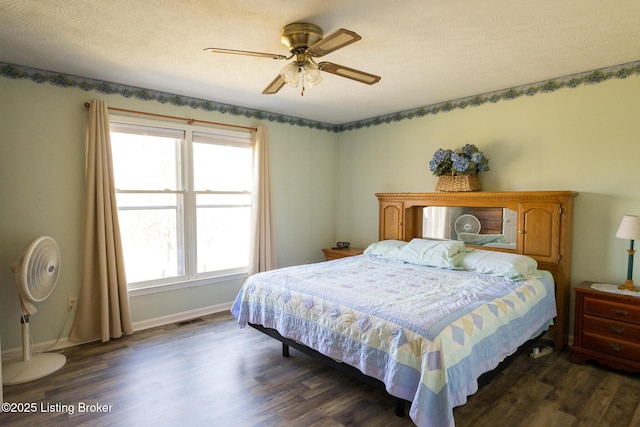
x: 72, y: 304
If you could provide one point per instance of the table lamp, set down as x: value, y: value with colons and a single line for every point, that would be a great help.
x: 629, y: 229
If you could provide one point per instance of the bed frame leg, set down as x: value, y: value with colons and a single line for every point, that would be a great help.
x: 285, y: 350
x: 399, y: 407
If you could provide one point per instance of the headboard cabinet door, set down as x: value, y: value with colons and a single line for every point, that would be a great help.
x: 391, y: 221
x: 539, y: 231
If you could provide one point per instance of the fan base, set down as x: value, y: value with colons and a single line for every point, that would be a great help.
x: 300, y: 35
x: 40, y: 365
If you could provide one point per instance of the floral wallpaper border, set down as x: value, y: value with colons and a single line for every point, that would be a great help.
x: 64, y: 80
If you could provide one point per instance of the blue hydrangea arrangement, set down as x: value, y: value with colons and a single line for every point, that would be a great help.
x: 466, y: 161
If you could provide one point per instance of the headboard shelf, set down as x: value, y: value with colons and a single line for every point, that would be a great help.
x: 544, y: 228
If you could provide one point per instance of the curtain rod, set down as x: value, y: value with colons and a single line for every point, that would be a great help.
x: 189, y: 121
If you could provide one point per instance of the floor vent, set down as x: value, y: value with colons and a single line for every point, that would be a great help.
x: 189, y: 322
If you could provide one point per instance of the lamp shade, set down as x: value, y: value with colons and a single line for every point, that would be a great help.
x: 629, y: 228
x: 291, y: 74
x: 311, y: 73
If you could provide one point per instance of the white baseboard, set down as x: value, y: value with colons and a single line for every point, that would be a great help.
x: 63, y: 343
x: 179, y: 317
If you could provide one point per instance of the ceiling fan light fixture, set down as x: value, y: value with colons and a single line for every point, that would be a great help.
x: 311, y: 74
x: 291, y: 74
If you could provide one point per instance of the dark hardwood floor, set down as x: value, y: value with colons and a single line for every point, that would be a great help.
x: 208, y: 372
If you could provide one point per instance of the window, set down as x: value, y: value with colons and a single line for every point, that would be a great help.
x: 184, y: 201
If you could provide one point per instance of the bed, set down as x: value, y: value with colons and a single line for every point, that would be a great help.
x: 426, y: 318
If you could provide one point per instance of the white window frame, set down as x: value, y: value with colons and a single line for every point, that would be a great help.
x: 187, y: 227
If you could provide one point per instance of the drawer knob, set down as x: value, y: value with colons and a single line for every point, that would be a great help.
x: 616, y: 347
x: 617, y: 329
x: 619, y: 312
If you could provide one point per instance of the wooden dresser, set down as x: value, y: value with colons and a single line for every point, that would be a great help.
x: 607, y: 328
x: 335, y: 253
x: 544, y: 229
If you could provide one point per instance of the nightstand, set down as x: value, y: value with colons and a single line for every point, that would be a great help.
x: 335, y: 253
x: 607, y: 328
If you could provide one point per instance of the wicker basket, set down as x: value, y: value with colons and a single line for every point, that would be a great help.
x: 458, y: 183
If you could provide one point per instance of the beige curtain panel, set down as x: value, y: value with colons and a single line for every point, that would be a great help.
x: 103, y: 304
x: 263, y: 254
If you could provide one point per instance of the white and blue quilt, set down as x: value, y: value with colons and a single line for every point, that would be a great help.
x: 427, y: 333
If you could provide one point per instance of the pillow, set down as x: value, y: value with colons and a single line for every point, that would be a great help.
x: 434, y: 253
x: 385, y: 248
x: 512, y: 266
x: 481, y: 239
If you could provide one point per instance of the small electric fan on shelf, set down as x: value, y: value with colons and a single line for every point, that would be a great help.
x: 36, y: 274
x: 467, y: 224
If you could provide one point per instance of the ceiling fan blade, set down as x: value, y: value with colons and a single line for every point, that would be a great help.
x: 246, y: 52
x: 274, y: 86
x: 333, y: 41
x: 350, y: 73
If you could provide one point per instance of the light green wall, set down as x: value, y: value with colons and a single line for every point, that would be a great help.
x: 584, y: 139
x: 42, y: 190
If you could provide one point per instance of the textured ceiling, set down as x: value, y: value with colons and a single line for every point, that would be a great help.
x: 427, y: 51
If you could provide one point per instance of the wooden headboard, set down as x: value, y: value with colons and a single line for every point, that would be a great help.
x: 544, y: 230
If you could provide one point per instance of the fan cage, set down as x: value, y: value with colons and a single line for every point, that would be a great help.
x: 467, y: 224
x: 39, y: 269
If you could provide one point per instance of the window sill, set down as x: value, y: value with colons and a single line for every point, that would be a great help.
x: 164, y: 287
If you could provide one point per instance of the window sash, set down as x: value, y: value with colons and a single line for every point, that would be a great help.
x: 191, y: 203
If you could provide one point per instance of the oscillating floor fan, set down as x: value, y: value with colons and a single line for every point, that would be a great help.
x: 36, y: 274
x: 467, y: 224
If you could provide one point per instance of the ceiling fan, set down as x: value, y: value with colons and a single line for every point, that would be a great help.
x: 305, y: 42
